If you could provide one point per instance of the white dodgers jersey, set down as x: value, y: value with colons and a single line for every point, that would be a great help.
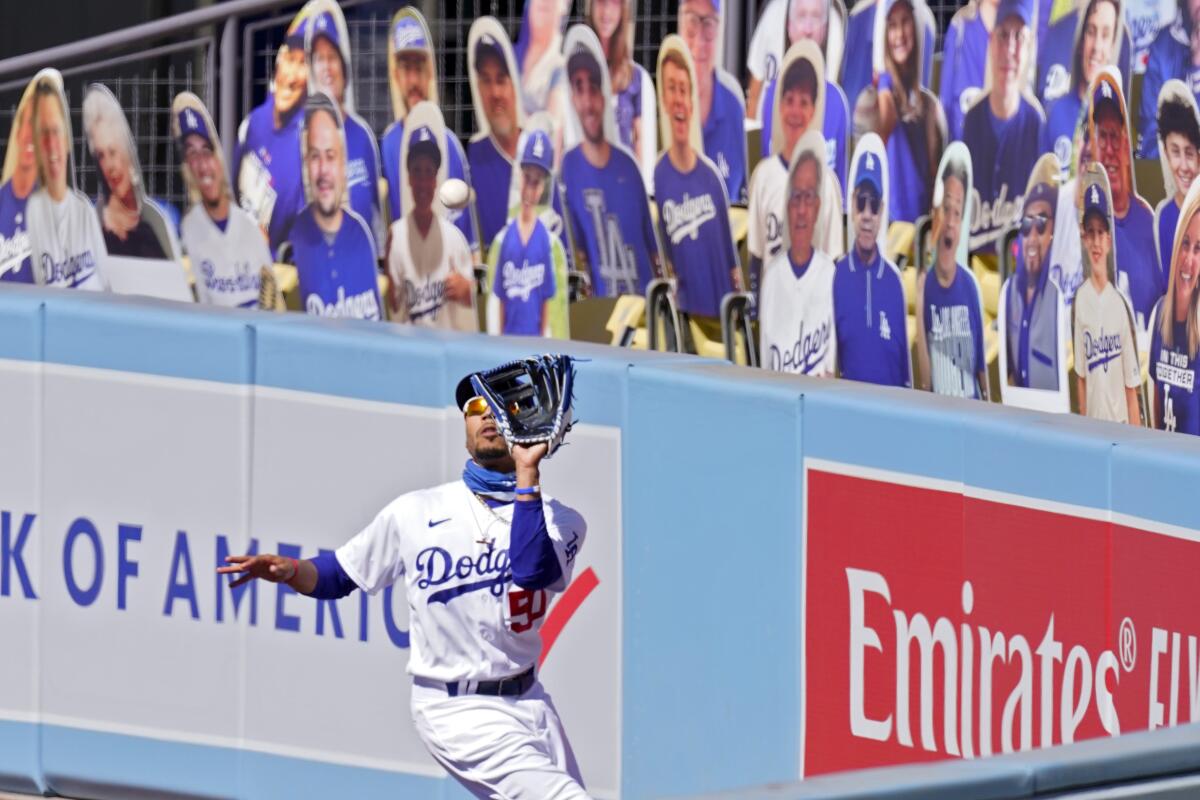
x: 66, y: 241
x: 226, y: 264
x: 796, y: 319
x: 422, y: 286
x: 468, y: 620
x: 768, y: 208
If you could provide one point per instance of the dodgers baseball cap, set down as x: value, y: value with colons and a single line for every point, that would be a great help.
x: 869, y: 172
x: 423, y: 143
x: 464, y: 392
x: 1095, y: 201
x: 1018, y: 8
x: 582, y: 58
x: 191, y: 123
x: 538, y: 151
x: 487, y: 47
x: 323, y: 25
x: 1104, y: 95
x: 1042, y: 192
x: 297, y: 32
x: 409, y: 34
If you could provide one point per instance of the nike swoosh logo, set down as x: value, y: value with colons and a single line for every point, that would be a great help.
x: 434, y: 524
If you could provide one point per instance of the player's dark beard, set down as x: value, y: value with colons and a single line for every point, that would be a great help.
x: 490, y: 453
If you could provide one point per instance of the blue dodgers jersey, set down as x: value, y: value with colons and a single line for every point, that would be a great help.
x: 870, y: 320
x: 1004, y: 152
x: 16, y: 257
x: 1137, y: 259
x: 610, y: 218
x: 491, y: 175
x: 627, y: 106
x: 1167, y: 219
x: 965, y: 57
x: 362, y: 171
x: 833, y: 127
x: 337, y: 274
x: 725, y: 139
x: 694, y: 219
x: 456, y: 161
x: 279, y: 151
x: 524, y: 278
x: 954, y: 334
x: 1173, y: 371
x: 857, y: 73
x: 1062, y: 119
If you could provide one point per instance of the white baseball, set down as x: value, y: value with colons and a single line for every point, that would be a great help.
x: 455, y: 194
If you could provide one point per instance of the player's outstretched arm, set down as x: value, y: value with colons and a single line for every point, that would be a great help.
x: 300, y: 574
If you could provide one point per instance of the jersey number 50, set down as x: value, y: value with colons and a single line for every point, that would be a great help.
x: 526, y: 607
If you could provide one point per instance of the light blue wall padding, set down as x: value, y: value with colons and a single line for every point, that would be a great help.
x: 710, y: 565
x: 154, y: 337
x: 21, y: 324
x: 1158, y: 478
x: 20, y: 762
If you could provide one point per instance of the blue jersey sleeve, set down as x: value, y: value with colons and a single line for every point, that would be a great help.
x: 950, y: 45
x: 534, y: 563
x: 333, y: 582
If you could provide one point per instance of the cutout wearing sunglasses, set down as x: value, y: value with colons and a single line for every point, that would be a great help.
x: 1028, y: 223
x: 863, y: 198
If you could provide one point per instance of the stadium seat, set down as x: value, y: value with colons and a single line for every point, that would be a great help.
x: 627, y: 323
x: 900, y: 239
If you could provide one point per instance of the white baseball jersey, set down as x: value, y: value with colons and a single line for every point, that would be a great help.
x: 795, y: 317
x: 226, y: 264
x: 1105, y: 354
x: 468, y: 622
x: 768, y: 205
x: 66, y: 241
x: 766, y: 45
x: 419, y: 268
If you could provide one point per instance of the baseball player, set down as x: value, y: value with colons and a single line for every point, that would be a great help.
x: 1175, y: 333
x: 910, y: 119
x: 606, y: 203
x: 693, y: 212
x: 527, y: 257
x: 965, y: 56
x: 1033, y: 297
x: 950, y: 311
x: 1096, y: 46
x: 870, y: 317
x: 493, y: 149
x: 796, y: 316
x: 859, y: 72
x: 1106, y: 361
x: 413, y: 78
x: 332, y: 246
x: 835, y: 115
x: 327, y: 48
x: 480, y: 558
x: 16, y: 184
x: 429, y: 262
x: 266, y: 161
x: 1138, y: 273
x: 1057, y: 51
x: 633, y: 91
x: 721, y: 107
x: 1174, y: 53
x: 799, y: 104
x: 66, y: 244
x: 226, y: 248
x: 1179, y: 154
x: 1002, y: 129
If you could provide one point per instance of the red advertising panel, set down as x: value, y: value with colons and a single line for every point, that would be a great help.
x: 939, y: 625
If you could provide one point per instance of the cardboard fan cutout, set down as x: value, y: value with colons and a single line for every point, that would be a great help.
x: 796, y: 314
x: 539, y: 55
x: 632, y: 88
x: 133, y: 226
x: 17, y: 182
x: 873, y: 145
x: 230, y: 262
x: 431, y: 268
x: 66, y: 244
x: 950, y: 339
x: 492, y: 152
x: 1179, y: 155
x: 604, y: 200
x: 1033, y: 319
x: 693, y: 210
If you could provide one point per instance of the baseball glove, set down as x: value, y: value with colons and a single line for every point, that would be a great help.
x: 530, y: 399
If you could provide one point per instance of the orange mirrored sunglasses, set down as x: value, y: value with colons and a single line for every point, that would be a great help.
x: 475, y: 407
